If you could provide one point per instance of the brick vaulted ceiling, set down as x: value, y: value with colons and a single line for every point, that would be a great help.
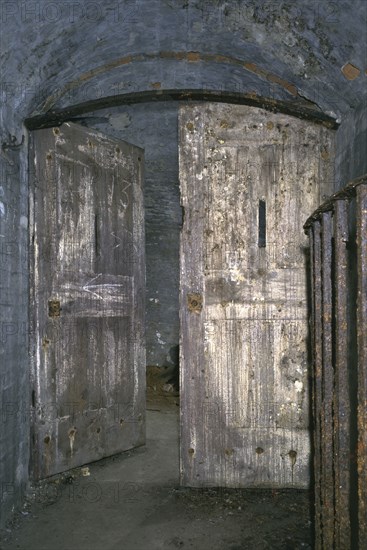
x: 56, y: 54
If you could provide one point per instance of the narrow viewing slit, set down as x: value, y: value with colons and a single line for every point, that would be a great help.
x: 96, y: 239
x: 262, y: 224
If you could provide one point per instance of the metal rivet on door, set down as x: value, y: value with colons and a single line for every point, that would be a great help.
x: 195, y: 302
x: 54, y: 308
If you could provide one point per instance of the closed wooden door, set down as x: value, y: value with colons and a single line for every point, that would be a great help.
x: 87, y: 298
x: 249, y: 179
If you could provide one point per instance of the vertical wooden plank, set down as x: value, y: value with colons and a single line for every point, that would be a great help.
x: 137, y: 258
x: 341, y: 393
x: 315, y: 238
x: 362, y: 361
x: 195, y: 403
x: 327, y: 481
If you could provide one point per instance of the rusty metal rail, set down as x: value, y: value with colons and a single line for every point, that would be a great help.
x: 338, y: 245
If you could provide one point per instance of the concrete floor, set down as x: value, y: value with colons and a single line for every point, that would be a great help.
x: 133, y: 502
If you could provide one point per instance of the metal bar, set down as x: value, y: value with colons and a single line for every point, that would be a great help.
x: 362, y: 362
x: 315, y: 242
x: 331, y: 385
x: 341, y: 392
x: 327, y: 492
x: 312, y: 322
x: 55, y: 117
x: 347, y: 192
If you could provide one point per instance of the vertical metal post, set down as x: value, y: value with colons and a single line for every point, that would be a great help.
x: 339, y: 384
x: 362, y: 361
x: 327, y: 482
x: 341, y: 391
x: 315, y: 238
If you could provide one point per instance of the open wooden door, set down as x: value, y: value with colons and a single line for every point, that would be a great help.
x: 249, y: 179
x: 87, y: 298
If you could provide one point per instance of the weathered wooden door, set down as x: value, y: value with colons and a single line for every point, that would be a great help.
x: 249, y: 179
x: 87, y: 298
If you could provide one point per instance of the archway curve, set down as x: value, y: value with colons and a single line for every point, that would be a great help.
x: 293, y: 108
